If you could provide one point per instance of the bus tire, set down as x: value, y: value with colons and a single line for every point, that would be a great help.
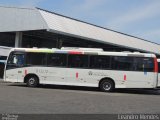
x: 107, y: 86
x: 32, y: 81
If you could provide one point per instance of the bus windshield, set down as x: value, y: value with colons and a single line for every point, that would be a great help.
x: 16, y: 60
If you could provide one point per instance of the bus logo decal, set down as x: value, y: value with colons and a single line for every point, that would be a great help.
x: 90, y: 73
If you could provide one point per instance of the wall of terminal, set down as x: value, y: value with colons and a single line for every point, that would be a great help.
x: 51, y: 40
x: 44, y: 39
x: 7, y: 39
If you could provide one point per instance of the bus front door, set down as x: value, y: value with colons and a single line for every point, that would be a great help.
x: 14, y: 66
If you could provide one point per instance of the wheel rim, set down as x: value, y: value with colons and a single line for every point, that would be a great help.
x: 31, y: 81
x: 107, y: 86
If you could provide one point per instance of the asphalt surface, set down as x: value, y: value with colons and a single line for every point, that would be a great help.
x: 18, y: 99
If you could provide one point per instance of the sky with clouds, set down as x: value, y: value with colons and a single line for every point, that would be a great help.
x: 140, y: 18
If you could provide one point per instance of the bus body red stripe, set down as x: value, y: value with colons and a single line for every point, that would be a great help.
x: 155, y: 65
x: 77, y: 75
x: 125, y: 77
x: 25, y: 72
x: 75, y: 52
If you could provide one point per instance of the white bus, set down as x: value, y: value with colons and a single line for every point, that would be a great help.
x: 158, y: 72
x: 82, y: 67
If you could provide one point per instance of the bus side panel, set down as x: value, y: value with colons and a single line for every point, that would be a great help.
x: 92, y: 78
x: 88, y: 77
x: 81, y: 77
x: 84, y: 77
x: 11, y: 75
x: 141, y: 80
x: 46, y: 75
x: 52, y: 75
x: 16, y: 75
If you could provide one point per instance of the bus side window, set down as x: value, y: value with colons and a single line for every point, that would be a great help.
x: 57, y: 60
x: 100, y: 62
x: 36, y: 59
x: 144, y: 64
x: 122, y: 63
x: 78, y: 61
x: 148, y: 64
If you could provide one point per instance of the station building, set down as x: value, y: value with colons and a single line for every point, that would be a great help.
x: 35, y: 27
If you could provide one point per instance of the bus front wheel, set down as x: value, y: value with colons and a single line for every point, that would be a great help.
x: 107, y: 86
x: 32, y: 81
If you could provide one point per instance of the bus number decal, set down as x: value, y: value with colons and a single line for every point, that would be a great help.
x: 42, y: 71
x: 90, y: 73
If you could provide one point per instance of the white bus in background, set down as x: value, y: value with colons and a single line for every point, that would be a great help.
x: 82, y: 67
x: 158, y: 72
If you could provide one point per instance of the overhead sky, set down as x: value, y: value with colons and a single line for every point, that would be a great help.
x: 140, y: 18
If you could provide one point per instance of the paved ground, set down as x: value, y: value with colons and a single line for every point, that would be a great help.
x: 17, y: 98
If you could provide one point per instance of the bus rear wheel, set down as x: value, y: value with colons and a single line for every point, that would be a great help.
x: 107, y: 86
x: 32, y: 81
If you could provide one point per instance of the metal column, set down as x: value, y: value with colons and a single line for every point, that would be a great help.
x: 18, y: 39
x: 59, y: 43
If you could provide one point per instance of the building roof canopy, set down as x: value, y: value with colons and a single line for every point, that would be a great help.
x: 26, y: 19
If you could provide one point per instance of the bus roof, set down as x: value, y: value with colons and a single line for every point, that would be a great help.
x: 83, y: 51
